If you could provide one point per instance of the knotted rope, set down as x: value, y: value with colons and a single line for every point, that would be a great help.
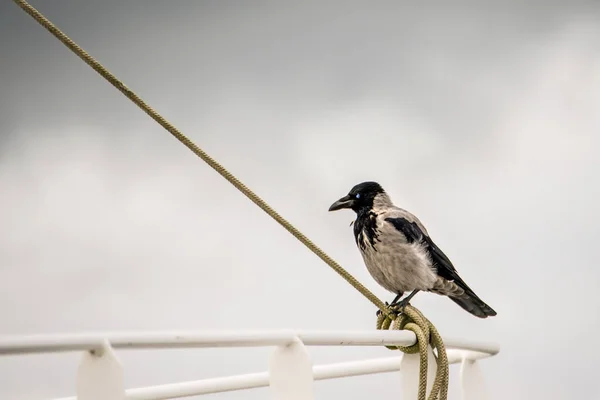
x: 413, y: 320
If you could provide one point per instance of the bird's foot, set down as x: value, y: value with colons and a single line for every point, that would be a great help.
x: 399, y: 306
x: 378, y: 313
x: 395, y: 308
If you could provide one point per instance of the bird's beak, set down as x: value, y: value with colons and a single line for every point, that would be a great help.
x: 344, y: 202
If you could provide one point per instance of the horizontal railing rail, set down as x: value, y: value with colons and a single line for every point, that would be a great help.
x: 291, y: 374
x: 207, y: 339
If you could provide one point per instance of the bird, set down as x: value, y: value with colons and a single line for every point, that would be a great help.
x: 399, y: 253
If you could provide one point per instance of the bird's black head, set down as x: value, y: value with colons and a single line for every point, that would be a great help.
x: 360, y: 197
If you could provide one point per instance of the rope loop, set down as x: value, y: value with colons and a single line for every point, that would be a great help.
x: 427, y: 335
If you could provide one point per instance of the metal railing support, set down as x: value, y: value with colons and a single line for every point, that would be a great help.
x: 100, y: 375
x: 409, y: 376
x: 472, y: 380
x: 291, y: 373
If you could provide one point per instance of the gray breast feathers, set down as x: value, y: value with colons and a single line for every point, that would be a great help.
x: 392, y: 259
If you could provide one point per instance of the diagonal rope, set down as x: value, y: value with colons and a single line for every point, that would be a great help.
x: 412, y: 320
x: 196, y: 150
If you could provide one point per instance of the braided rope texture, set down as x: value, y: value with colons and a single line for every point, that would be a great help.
x: 88, y: 59
x: 411, y: 319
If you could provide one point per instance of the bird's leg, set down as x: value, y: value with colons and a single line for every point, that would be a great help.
x: 404, y: 302
x: 395, y: 301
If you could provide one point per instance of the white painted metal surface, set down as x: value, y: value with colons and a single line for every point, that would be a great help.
x: 100, y: 375
x: 472, y: 381
x: 181, y: 339
x: 409, y: 376
x: 290, y: 374
x: 256, y: 380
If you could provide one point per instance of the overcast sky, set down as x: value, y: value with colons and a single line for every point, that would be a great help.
x: 482, y: 119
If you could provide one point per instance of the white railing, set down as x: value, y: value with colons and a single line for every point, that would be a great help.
x: 290, y: 375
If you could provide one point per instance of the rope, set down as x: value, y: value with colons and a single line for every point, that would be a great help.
x: 416, y: 322
x: 196, y: 150
x: 413, y: 320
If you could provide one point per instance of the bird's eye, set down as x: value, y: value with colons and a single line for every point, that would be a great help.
x: 357, y: 195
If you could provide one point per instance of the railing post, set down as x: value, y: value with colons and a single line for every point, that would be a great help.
x: 471, y: 379
x: 100, y: 375
x: 409, y: 374
x: 290, y: 373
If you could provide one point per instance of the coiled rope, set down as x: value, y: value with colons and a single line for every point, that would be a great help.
x: 412, y: 319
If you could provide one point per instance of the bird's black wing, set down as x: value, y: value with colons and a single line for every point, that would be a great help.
x: 443, y: 265
x: 444, y: 268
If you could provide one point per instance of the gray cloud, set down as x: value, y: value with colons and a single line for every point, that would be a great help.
x: 480, y: 119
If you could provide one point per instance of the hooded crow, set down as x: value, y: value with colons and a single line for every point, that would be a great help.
x: 400, y: 255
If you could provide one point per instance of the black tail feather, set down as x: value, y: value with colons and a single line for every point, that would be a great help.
x: 474, y: 305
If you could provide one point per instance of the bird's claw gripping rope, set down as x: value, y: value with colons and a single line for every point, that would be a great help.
x: 392, y: 310
x: 410, y: 319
